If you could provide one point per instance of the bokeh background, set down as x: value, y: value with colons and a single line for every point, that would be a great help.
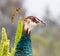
x: 45, y: 38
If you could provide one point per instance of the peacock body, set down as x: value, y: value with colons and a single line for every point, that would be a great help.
x: 23, y: 47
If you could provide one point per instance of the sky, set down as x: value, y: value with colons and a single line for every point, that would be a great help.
x: 37, y: 8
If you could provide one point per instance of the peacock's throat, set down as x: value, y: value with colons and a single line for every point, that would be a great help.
x: 26, y: 29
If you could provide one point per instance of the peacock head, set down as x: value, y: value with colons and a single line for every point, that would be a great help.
x: 31, y: 21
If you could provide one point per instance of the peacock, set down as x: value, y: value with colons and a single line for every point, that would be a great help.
x: 24, y: 47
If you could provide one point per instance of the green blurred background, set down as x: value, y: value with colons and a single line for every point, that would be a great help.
x: 45, y: 38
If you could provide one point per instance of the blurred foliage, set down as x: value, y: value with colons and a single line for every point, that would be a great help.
x: 5, y: 43
x: 18, y: 35
x: 18, y: 31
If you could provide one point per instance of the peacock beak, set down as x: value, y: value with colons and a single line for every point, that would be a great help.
x: 41, y: 22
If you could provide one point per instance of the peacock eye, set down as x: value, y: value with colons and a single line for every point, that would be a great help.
x: 33, y: 19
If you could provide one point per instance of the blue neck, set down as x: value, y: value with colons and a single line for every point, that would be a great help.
x: 23, y: 47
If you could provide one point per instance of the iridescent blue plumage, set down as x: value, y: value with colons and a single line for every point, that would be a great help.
x: 23, y: 47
